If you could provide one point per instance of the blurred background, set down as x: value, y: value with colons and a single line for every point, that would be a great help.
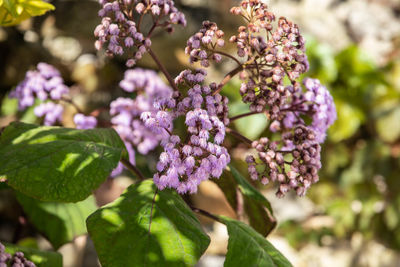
x: 350, y: 218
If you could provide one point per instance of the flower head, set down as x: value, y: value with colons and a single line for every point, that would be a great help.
x: 119, y: 31
x: 186, y: 162
x: 126, y: 113
x: 201, y: 46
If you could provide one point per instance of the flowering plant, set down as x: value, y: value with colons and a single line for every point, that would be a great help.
x: 150, y: 219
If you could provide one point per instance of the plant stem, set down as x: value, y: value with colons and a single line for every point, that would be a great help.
x: 243, y: 115
x: 227, y: 55
x: 239, y: 136
x: 227, y: 78
x: 205, y: 213
x: 163, y: 69
x: 133, y: 169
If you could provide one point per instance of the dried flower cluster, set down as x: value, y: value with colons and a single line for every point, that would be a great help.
x: 271, y: 56
x: 274, y: 58
x: 293, y: 161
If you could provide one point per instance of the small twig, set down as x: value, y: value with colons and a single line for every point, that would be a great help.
x: 227, y: 78
x: 163, y: 69
x: 133, y: 169
x: 243, y: 115
x: 227, y: 55
x: 206, y: 213
x: 239, y: 136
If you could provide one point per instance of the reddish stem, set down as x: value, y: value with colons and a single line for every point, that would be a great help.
x: 227, y: 78
x: 163, y: 69
x: 133, y: 169
x: 243, y: 115
x: 239, y: 136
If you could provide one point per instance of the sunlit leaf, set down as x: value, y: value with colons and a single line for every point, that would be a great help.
x: 57, y: 164
x: 147, y: 227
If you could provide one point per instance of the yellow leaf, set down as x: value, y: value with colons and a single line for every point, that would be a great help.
x: 13, y: 12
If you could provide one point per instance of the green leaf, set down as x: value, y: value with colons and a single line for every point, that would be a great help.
x: 257, y: 207
x: 38, y: 257
x: 59, y: 222
x: 147, y: 227
x: 57, y: 164
x: 9, y: 106
x: 349, y: 120
x: 13, y: 12
x: 246, y: 247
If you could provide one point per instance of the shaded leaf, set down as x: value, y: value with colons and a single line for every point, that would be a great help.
x: 57, y: 164
x: 147, y: 227
x: 246, y: 247
x: 257, y: 207
x: 59, y: 222
x: 39, y: 257
x: 228, y: 186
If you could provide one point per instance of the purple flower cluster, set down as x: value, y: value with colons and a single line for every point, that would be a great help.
x: 322, y: 107
x: 126, y: 112
x: 164, y: 12
x: 315, y: 102
x: 51, y: 112
x: 293, y: 161
x: 85, y: 122
x: 201, y: 46
x: 120, y: 32
x: 185, y: 164
x: 216, y: 104
x: 45, y: 83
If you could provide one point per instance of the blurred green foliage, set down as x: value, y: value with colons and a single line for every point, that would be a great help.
x: 359, y: 182
x: 13, y: 12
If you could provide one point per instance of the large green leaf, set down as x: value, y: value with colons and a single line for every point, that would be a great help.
x: 38, y: 257
x: 59, y: 222
x: 246, y: 247
x: 13, y: 12
x: 147, y: 227
x: 257, y: 207
x: 57, y: 164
